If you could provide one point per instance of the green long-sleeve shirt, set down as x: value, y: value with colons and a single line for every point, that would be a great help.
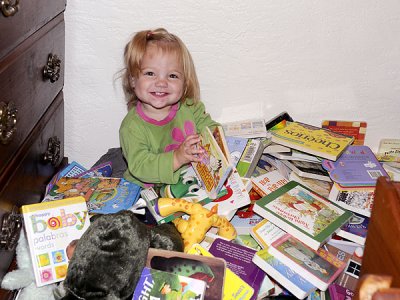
x: 148, y: 144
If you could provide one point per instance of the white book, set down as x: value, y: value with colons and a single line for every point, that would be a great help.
x: 308, y: 169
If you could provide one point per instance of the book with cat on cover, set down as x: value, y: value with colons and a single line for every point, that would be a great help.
x: 102, y: 194
x: 310, y: 139
x: 156, y: 284
x: 320, y: 267
x: 301, y: 212
x: 50, y: 228
x: 214, y: 169
x: 296, y: 284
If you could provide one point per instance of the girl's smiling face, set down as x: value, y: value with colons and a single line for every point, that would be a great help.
x: 160, y: 83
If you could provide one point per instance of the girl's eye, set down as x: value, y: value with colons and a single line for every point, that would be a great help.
x: 149, y: 73
x: 174, y: 76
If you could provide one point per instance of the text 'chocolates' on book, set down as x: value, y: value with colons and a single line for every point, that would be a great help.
x: 51, y: 230
x: 304, y: 214
x: 310, y: 139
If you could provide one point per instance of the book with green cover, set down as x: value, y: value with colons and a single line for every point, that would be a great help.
x: 303, y: 213
x: 310, y: 139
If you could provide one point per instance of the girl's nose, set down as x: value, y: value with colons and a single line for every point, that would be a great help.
x: 161, y: 82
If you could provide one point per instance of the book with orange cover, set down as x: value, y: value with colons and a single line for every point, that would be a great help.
x: 357, y: 129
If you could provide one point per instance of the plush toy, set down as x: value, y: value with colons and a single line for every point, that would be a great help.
x: 24, y: 278
x: 110, y: 255
x: 200, y: 220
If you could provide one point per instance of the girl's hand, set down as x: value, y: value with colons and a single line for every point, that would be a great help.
x: 188, y: 151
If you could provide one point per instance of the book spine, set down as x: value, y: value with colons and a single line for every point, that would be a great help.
x: 257, y: 188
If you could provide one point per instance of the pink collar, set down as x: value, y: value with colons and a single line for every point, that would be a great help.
x: 166, y: 120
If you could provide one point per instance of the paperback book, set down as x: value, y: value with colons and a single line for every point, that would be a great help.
x: 267, y: 183
x: 103, y: 195
x: 50, y: 229
x: 356, y: 229
x: 236, y: 146
x: 310, y: 139
x: 253, y: 128
x: 308, y: 169
x: 304, y: 214
x: 389, y: 150
x: 356, y: 129
x: 319, y: 266
x: 250, y: 157
x: 265, y: 233
x: 214, y: 169
x: 299, y: 286
x: 156, y: 284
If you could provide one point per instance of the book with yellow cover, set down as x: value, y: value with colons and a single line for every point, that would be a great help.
x: 310, y: 139
x: 51, y: 227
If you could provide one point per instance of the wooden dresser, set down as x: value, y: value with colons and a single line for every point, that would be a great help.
x: 32, y: 42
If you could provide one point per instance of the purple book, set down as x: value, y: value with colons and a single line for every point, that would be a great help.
x: 356, y: 229
x: 338, y: 292
x: 357, y: 166
x: 239, y: 260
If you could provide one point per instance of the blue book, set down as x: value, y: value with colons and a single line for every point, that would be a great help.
x: 289, y: 279
x: 236, y: 146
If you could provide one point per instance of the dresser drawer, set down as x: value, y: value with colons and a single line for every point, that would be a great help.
x: 23, y: 87
x: 31, y: 15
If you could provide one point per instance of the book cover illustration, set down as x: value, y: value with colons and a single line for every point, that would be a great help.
x: 265, y: 233
x: 101, y: 170
x: 239, y: 259
x: 308, y: 169
x: 73, y: 169
x: 389, y: 150
x: 50, y: 228
x: 102, y: 194
x: 156, y: 284
x: 299, y: 211
x: 263, y: 166
x: 356, y: 129
x: 236, y: 146
x: 310, y: 139
x: 209, y: 269
x: 268, y: 182
x: 213, y: 169
x: 234, y: 286
x: 320, y: 267
x: 288, y: 278
x: 321, y: 187
x: 219, y: 136
x: 356, y: 229
x: 357, y: 166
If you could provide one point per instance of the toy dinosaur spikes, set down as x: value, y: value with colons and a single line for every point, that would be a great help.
x: 200, y: 221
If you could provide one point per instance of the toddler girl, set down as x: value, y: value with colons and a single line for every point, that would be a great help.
x: 159, y: 134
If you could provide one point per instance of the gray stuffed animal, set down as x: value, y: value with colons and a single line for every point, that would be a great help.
x: 111, y: 254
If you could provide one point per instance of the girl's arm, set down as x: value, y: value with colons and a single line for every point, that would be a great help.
x: 202, y: 118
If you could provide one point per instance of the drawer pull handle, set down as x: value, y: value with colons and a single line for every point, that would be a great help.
x: 52, y: 153
x: 10, y: 229
x: 9, y: 9
x: 52, y: 69
x: 8, y: 122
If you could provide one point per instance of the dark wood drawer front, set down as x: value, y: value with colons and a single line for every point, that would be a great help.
x: 22, y: 83
x: 31, y: 15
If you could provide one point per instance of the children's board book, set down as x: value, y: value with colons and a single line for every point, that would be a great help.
x: 265, y: 233
x: 254, y: 128
x: 250, y: 157
x: 50, y: 229
x: 320, y: 267
x: 321, y: 187
x: 308, y: 169
x: 304, y: 214
x: 239, y: 259
x: 103, y: 195
x: 338, y: 292
x: 101, y: 170
x: 236, y: 146
x: 356, y: 199
x: 299, y: 286
x: 356, y: 129
x: 214, y: 169
x: 234, y: 286
x: 389, y: 150
x: 356, y: 229
x: 156, y: 284
x: 268, y: 182
x: 73, y: 169
x: 310, y: 139
x: 357, y: 166
x: 209, y: 269
x: 220, y: 138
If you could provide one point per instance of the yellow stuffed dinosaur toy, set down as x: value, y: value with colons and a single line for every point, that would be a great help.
x: 200, y: 221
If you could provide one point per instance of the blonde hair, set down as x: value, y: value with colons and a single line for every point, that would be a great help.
x: 168, y: 42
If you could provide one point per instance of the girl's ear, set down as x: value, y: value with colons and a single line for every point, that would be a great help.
x: 132, y: 82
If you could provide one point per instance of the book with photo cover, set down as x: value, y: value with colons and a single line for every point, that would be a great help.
x: 308, y: 169
x: 304, y: 214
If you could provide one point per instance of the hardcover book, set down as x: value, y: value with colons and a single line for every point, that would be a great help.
x: 310, y: 139
x: 50, y: 228
x: 356, y: 229
x: 209, y: 269
x: 239, y: 259
x: 308, y: 169
x: 288, y: 278
x: 357, y: 166
x: 268, y: 182
x: 356, y: 129
x: 320, y: 267
x: 214, y: 169
x: 156, y: 284
x: 102, y: 194
x: 265, y: 233
x: 304, y: 214
x: 250, y: 157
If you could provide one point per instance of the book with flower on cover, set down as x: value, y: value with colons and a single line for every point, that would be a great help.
x: 301, y: 212
x: 50, y: 228
x: 310, y: 139
x: 214, y: 169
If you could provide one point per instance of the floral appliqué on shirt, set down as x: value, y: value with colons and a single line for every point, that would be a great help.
x: 179, y: 136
